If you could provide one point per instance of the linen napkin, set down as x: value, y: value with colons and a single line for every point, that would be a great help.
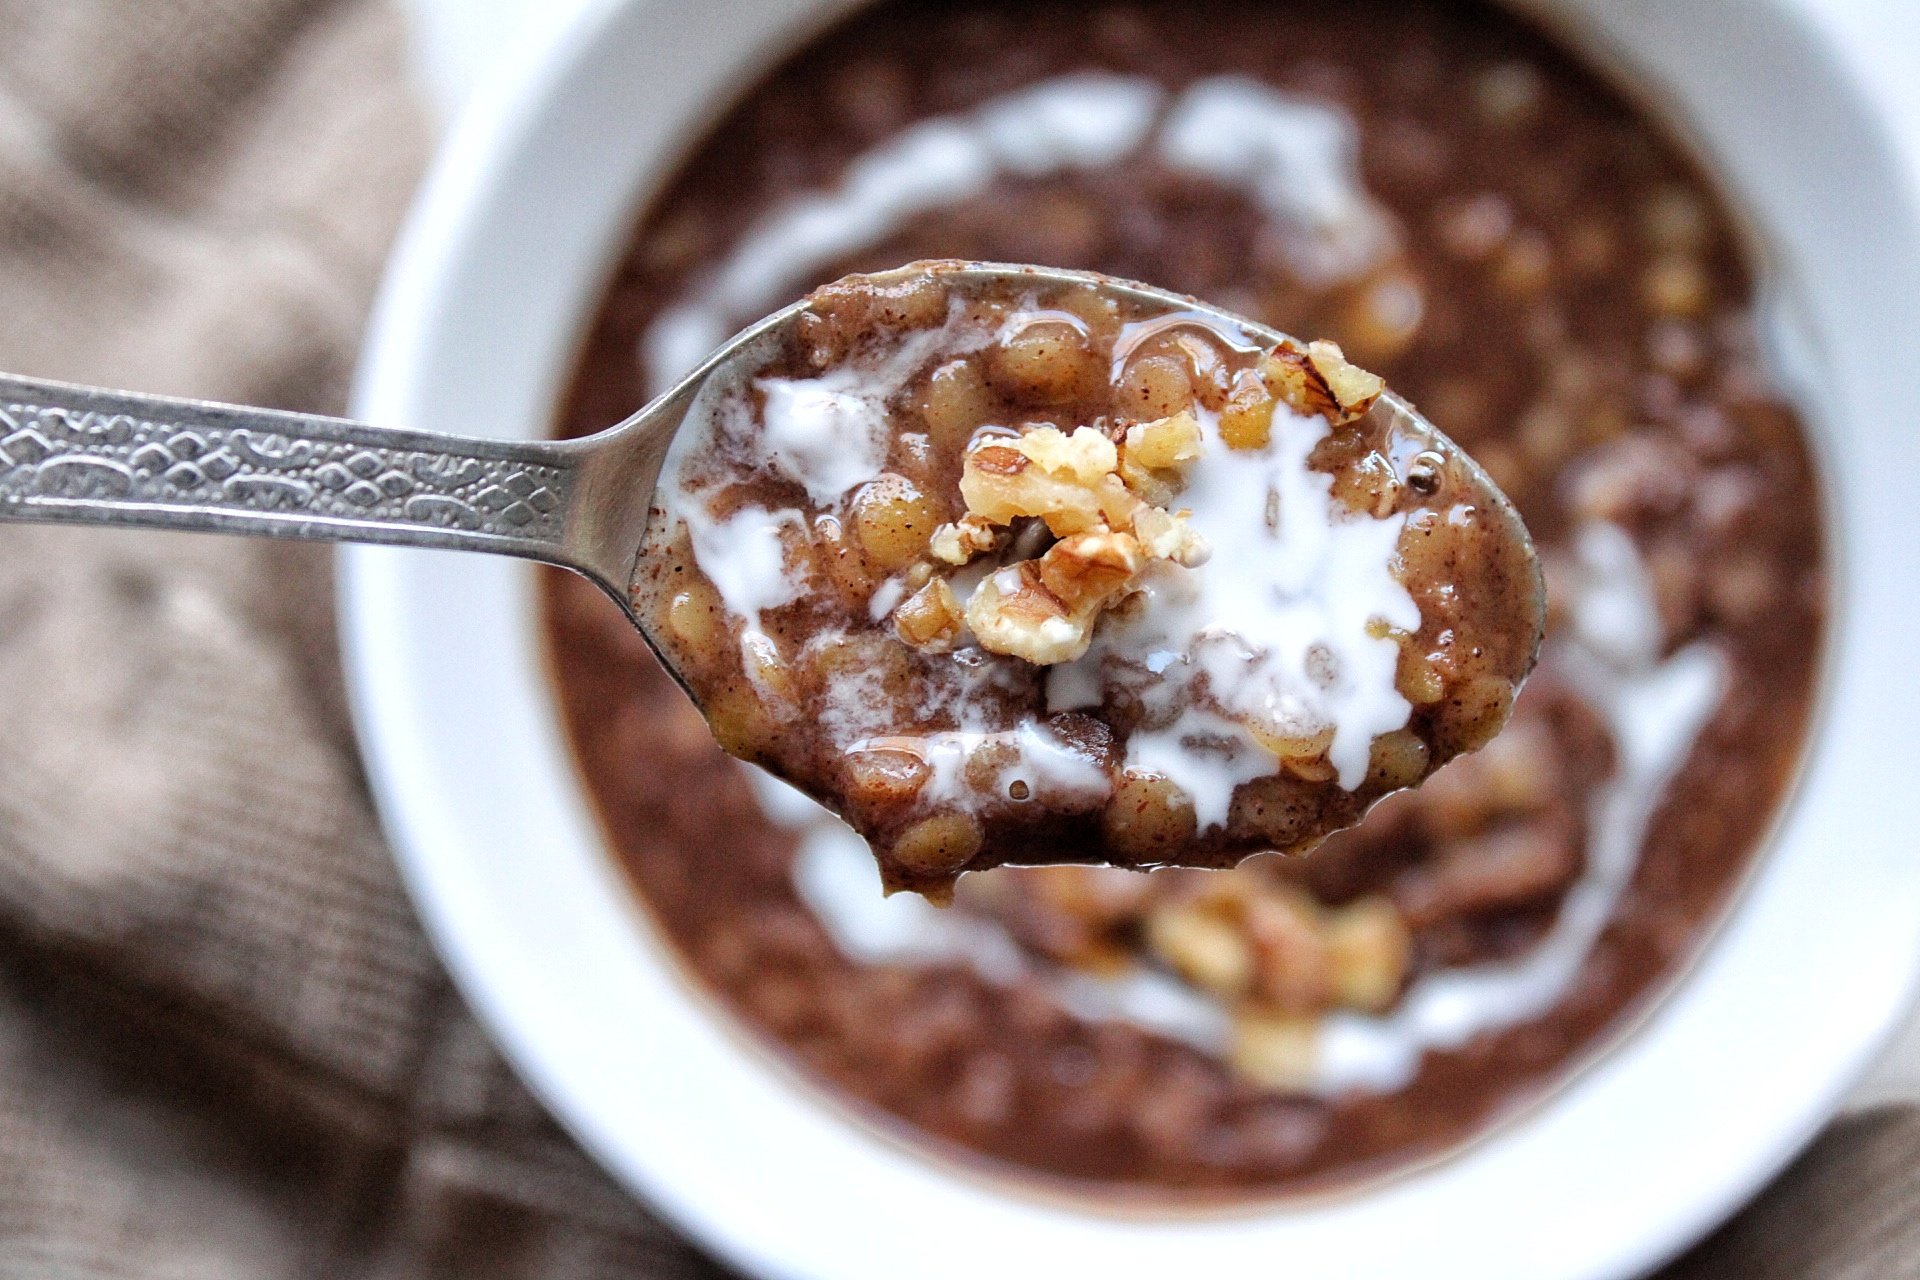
x: 225, y: 1048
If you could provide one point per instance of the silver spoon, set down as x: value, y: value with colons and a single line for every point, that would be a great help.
x: 85, y: 455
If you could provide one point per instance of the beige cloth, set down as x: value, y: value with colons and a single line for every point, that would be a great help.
x: 225, y: 1048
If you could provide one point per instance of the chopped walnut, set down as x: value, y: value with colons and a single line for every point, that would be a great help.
x: 1167, y: 535
x: 1089, y: 569
x: 931, y: 619
x: 1371, y: 949
x: 1246, y: 420
x: 1293, y: 971
x: 1107, y: 504
x: 1086, y: 455
x: 1167, y: 443
x: 1271, y: 947
x: 1154, y: 461
x: 1203, y: 946
x: 1012, y: 613
x: 1118, y: 503
x: 1001, y: 483
x: 1093, y: 495
x: 1317, y: 378
x: 960, y: 542
x: 1044, y: 610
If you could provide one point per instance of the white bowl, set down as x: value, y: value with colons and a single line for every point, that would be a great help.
x: 1623, y: 1166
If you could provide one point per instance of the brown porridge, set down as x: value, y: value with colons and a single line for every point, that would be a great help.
x: 1004, y: 569
x: 1470, y: 213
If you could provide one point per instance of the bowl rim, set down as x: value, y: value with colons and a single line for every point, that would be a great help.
x: 483, y: 151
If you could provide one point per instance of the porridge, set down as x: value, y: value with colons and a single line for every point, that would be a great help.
x: 1014, y: 571
x: 1470, y: 214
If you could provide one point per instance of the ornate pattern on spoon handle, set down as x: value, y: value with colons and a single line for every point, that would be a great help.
x: 84, y: 455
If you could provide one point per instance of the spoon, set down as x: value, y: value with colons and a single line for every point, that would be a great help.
x: 87, y: 455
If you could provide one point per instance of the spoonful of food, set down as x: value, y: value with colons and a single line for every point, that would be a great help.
x: 1003, y: 564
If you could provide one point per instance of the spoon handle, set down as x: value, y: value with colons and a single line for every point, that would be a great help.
x: 90, y: 456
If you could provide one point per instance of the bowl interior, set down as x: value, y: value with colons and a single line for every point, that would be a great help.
x: 500, y: 266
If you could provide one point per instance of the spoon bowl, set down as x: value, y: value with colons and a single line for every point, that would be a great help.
x: 1013, y: 565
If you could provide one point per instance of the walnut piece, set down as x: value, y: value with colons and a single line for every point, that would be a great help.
x: 1105, y: 502
x: 1103, y: 495
x: 1271, y: 945
x: 1167, y: 535
x: 1010, y: 612
x: 1002, y: 483
x: 931, y: 618
x: 960, y: 542
x: 1168, y: 442
x: 1090, y: 569
x: 1155, y: 459
x: 1044, y: 610
x: 1203, y: 946
x: 1086, y: 455
x: 1317, y: 378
